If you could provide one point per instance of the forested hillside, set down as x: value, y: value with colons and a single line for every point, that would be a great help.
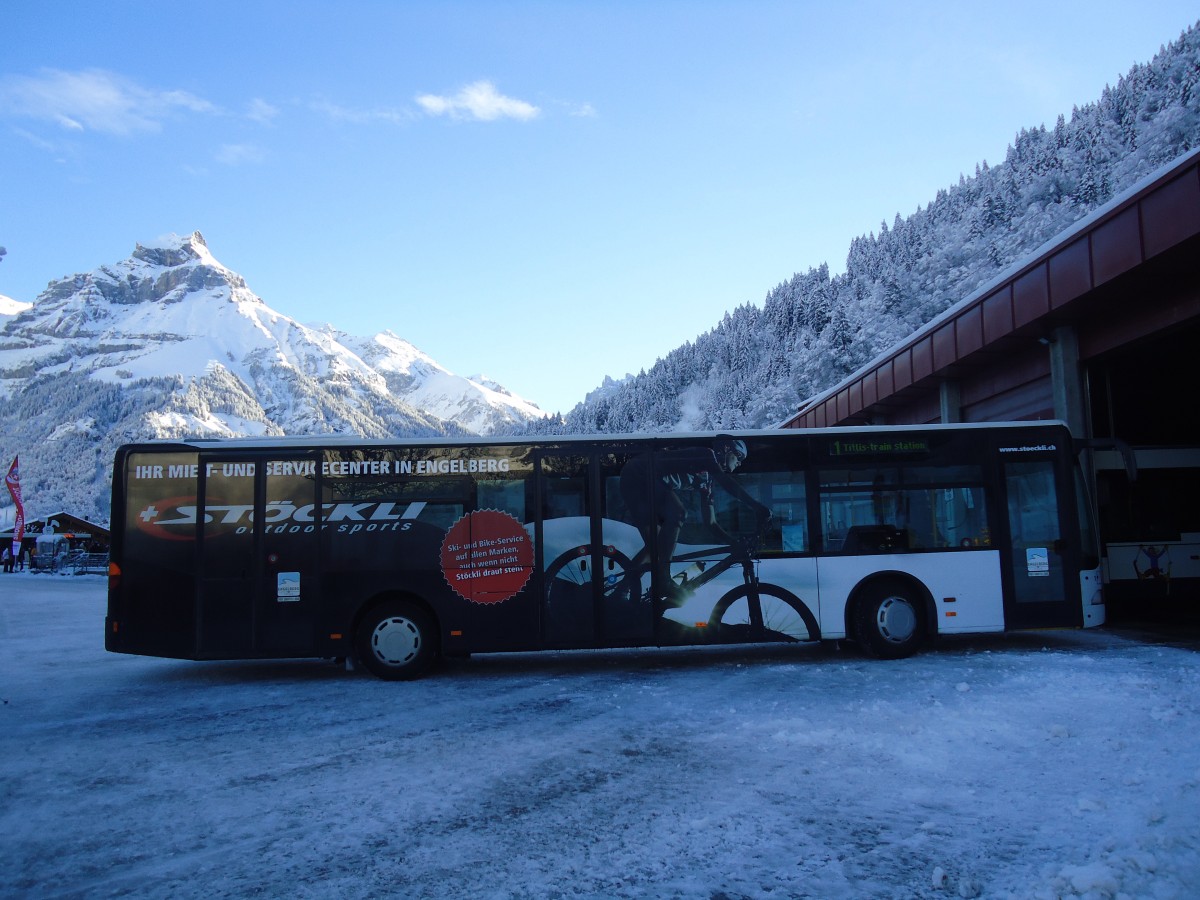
x: 762, y: 360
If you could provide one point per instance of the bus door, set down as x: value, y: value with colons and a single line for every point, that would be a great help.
x: 590, y: 595
x: 259, y: 544
x: 1044, y: 564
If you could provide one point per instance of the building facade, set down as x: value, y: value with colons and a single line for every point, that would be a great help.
x: 1097, y: 328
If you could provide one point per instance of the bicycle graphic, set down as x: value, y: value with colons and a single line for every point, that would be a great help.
x: 751, y: 611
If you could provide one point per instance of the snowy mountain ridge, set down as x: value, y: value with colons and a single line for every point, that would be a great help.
x: 170, y: 343
x: 478, y: 404
x: 11, y: 307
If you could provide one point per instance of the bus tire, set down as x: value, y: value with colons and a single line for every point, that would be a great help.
x: 396, y: 640
x: 890, y: 620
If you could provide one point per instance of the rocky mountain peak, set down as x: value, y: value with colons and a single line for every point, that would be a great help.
x: 172, y: 250
x: 162, y: 271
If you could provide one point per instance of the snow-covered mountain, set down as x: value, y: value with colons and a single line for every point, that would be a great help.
x: 10, y: 307
x: 476, y: 403
x: 169, y: 343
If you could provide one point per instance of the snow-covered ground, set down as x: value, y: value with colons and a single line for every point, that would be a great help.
x: 1050, y: 765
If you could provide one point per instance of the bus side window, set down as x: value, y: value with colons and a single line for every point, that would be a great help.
x: 960, y: 514
x: 851, y: 508
x: 784, y: 494
x: 899, y: 509
x: 506, y: 496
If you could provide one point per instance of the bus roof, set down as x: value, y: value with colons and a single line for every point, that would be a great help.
x: 312, y: 442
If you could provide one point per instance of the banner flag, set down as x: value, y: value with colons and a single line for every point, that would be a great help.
x: 13, y: 480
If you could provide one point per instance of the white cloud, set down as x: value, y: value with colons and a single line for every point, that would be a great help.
x: 94, y: 100
x: 240, y: 154
x: 261, y: 111
x: 480, y: 101
x: 36, y: 140
x: 360, y: 116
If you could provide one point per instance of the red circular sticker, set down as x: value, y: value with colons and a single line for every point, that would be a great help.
x: 487, y: 556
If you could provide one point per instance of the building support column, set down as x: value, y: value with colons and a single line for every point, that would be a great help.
x: 950, y: 401
x: 1067, y: 380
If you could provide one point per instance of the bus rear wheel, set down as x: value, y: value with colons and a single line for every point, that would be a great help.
x: 889, y: 621
x: 396, y: 640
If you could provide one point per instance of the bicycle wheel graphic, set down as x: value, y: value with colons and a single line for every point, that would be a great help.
x: 569, y: 582
x: 775, y: 615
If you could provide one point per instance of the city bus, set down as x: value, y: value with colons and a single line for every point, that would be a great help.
x: 396, y: 553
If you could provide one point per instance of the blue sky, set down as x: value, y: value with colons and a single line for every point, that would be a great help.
x: 546, y: 193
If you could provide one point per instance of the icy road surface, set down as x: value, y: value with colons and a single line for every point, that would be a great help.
x: 1041, y: 765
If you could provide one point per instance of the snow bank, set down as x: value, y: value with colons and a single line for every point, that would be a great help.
x: 1056, y: 765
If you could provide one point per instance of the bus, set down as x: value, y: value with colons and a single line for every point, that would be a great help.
x: 396, y: 553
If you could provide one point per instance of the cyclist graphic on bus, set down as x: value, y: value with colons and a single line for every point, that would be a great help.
x: 659, y: 513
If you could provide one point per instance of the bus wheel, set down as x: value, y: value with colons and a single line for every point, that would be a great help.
x: 889, y: 621
x: 396, y: 640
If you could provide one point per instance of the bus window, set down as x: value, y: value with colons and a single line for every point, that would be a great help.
x: 895, y: 509
x: 960, y: 517
x: 564, y: 487
x: 773, y: 473
x: 367, y: 497
x: 506, y: 496
x: 784, y: 494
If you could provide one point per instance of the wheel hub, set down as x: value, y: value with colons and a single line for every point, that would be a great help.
x: 897, y: 620
x: 396, y: 641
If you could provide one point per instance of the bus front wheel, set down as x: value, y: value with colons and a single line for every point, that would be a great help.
x: 396, y: 640
x: 890, y: 622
